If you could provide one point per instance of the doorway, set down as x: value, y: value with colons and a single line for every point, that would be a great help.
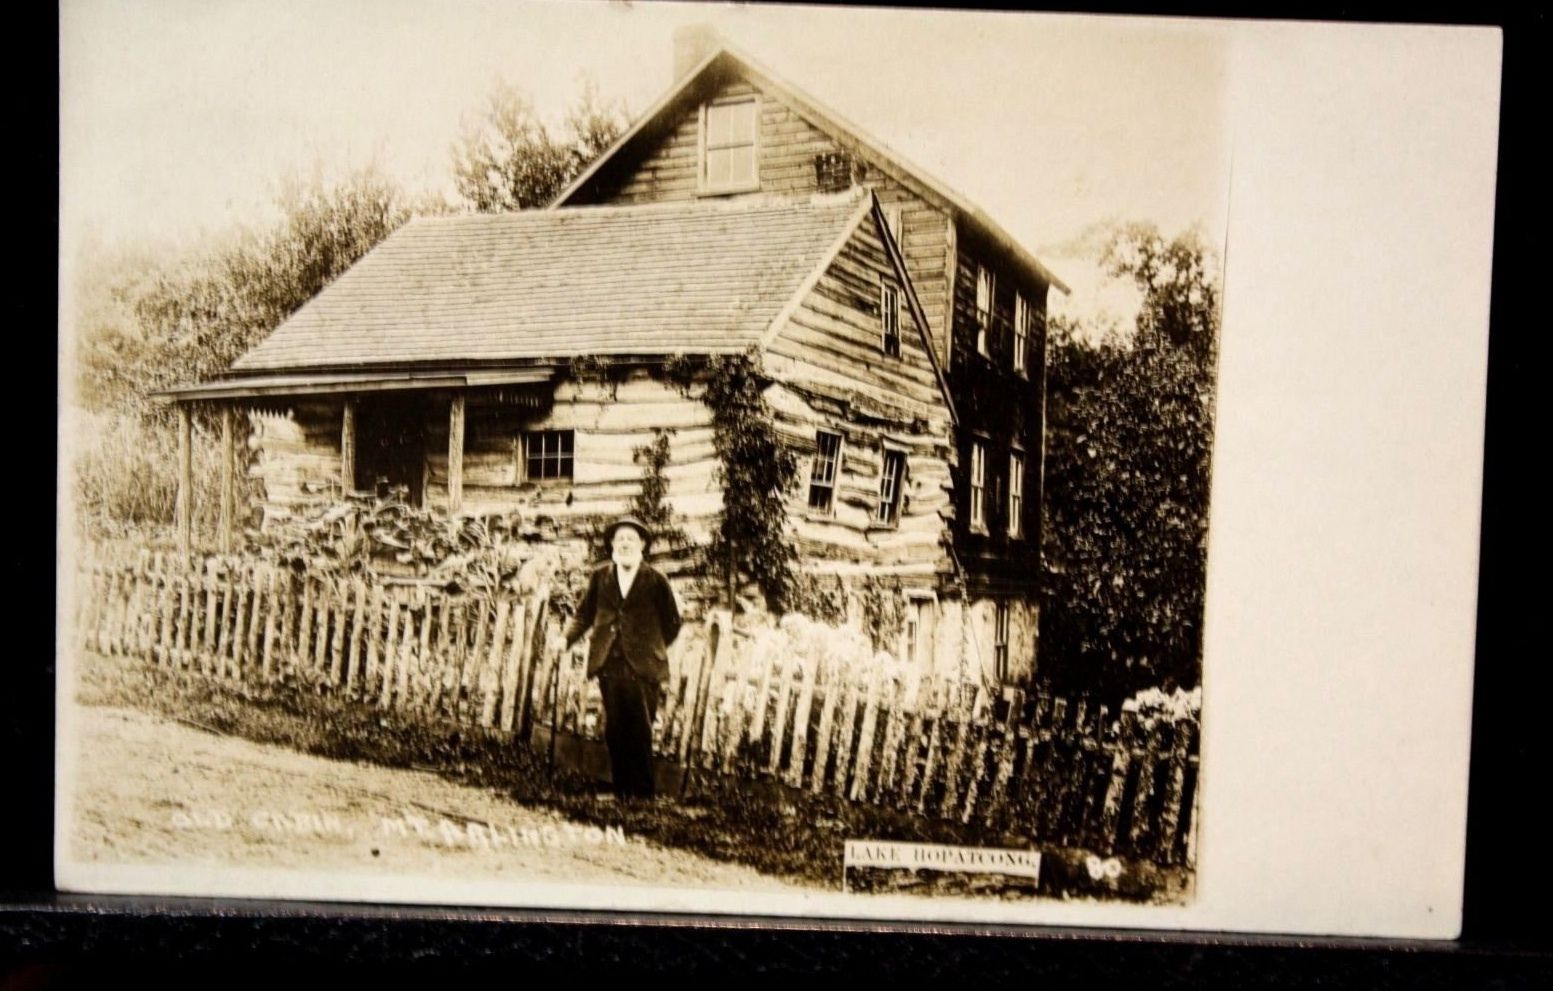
x: 391, y: 445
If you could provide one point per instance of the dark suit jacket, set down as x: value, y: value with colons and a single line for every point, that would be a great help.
x: 645, y: 623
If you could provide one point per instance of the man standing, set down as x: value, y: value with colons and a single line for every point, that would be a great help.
x: 630, y: 608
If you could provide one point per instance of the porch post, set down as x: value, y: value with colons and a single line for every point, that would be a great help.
x: 228, y: 478
x: 348, y: 447
x: 183, y: 514
x: 456, y: 453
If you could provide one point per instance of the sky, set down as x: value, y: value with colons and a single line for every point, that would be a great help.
x: 182, y: 116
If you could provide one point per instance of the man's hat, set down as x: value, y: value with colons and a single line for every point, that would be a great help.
x: 630, y: 521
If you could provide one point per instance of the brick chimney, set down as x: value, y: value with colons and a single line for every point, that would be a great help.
x: 692, y: 44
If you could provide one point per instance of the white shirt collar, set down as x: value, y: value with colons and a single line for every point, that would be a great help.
x: 626, y: 577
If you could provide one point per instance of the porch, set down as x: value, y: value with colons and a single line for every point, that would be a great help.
x: 384, y: 422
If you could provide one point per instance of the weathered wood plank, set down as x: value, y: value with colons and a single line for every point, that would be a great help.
x: 272, y: 608
x: 510, y: 673
x: 982, y: 732
x: 857, y: 690
x: 374, y: 635
x: 340, y: 598
x: 490, y: 670
x: 456, y: 452
x: 212, y: 589
x: 876, y: 674
x: 353, y: 658
x: 900, y: 703
x: 241, y: 591
x: 348, y: 445
x: 831, y: 687
x: 386, y: 690
x: 1121, y: 759
x: 997, y: 798
x: 403, y: 657
x: 304, y: 641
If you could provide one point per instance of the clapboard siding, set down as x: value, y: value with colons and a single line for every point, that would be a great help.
x: 788, y: 144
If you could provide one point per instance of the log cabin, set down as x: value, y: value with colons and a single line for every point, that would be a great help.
x: 901, y: 333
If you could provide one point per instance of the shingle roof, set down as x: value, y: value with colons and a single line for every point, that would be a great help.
x: 651, y: 280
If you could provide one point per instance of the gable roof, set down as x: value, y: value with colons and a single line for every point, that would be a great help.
x: 729, y: 59
x: 698, y: 278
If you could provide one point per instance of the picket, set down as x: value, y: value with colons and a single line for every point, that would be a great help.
x: 782, y: 685
x: 896, y: 722
x: 846, y: 726
x: 509, y: 679
x: 254, y: 588
x: 863, y: 758
x: 978, y: 746
x: 183, y: 626
x: 808, y: 671
x: 931, y: 758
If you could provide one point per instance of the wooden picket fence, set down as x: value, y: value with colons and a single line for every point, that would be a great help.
x: 1054, y: 770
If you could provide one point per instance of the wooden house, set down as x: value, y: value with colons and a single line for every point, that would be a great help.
x: 901, y: 330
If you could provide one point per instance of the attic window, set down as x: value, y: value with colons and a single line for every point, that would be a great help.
x: 890, y: 318
x: 728, y: 138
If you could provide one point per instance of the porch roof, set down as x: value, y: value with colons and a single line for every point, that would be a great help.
x: 693, y: 278
x: 323, y: 384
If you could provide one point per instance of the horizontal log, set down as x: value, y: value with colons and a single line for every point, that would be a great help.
x: 814, y: 371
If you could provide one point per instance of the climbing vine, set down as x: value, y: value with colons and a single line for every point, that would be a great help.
x: 651, y: 505
x: 883, y: 609
x: 756, y: 471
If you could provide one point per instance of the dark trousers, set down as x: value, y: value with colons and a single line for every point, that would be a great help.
x: 630, y: 705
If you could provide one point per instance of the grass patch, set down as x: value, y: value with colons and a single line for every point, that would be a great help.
x: 797, y: 836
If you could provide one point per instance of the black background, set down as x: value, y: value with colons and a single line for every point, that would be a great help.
x: 49, y: 940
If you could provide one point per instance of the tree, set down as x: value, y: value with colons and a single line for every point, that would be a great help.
x: 1127, y: 472
x: 146, y: 325
x: 509, y: 159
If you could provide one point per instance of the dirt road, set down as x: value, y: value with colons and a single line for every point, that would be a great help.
x: 152, y: 791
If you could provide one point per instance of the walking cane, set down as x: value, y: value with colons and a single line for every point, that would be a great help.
x: 555, y: 707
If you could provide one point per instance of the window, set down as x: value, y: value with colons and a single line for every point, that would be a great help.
x: 728, y: 160
x: 822, y: 476
x: 1000, y: 639
x: 983, y: 309
x: 546, y: 455
x: 978, y: 486
x: 890, y: 487
x: 890, y: 318
x: 1022, y: 321
x: 1016, y: 493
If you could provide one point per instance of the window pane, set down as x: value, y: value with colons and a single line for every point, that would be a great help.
x: 547, y: 454
x: 719, y: 165
x: 890, y: 486
x: 741, y: 164
x: 718, y: 125
x: 742, y: 122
